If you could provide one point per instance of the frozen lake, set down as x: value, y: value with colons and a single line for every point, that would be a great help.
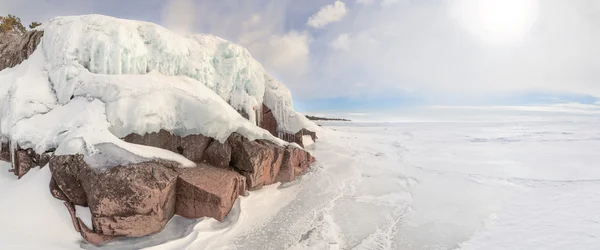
x: 417, y: 185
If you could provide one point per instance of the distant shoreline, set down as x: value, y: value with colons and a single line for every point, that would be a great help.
x: 316, y: 118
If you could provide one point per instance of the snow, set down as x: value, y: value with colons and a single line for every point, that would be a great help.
x: 30, y: 218
x: 94, y: 79
x: 110, y: 46
x: 419, y: 185
x: 307, y: 140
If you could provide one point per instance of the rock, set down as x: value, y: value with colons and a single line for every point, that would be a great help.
x: 207, y: 191
x: 43, y: 159
x: 268, y: 120
x: 4, y: 151
x: 56, y: 192
x: 191, y: 146
x: 92, y: 237
x: 16, y: 48
x: 259, y: 161
x: 73, y: 214
x: 218, y: 154
x: 65, y: 171
x: 24, y: 161
x: 133, y: 200
x: 295, y: 162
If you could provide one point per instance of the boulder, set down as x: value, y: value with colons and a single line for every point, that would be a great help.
x: 133, y: 200
x: 24, y: 161
x: 259, y: 161
x: 56, y: 192
x: 218, y: 154
x: 206, y: 191
x: 191, y: 146
x: 65, y: 171
x: 295, y: 162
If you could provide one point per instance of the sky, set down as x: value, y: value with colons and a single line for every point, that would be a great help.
x: 378, y: 54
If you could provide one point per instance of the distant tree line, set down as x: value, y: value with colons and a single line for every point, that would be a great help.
x: 13, y: 23
x: 315, y: 118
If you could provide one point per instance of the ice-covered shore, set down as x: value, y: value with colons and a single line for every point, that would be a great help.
x: 137, y: 77
x: 385, y: 186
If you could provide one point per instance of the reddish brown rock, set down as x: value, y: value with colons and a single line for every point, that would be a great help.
x: 133, y: 200
x: 206, y: 191
x: 4, y: 152
x: 24, y: 161
x: 295, y: 162
x: 191, y: 146
x: 73, y: 214
x: 268, y: 120
x: 56, y: 192
x: 43, y: 159
x: 259, y: 161
x: 92, y: 237
x: 218, y: 154
x: 65, y: 171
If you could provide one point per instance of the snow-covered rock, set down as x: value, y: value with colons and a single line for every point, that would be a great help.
x: 94, y: 79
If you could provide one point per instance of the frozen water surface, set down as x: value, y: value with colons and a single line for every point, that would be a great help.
x: 432, y: 185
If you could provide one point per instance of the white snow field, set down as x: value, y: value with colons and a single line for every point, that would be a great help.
x: 416, y: 185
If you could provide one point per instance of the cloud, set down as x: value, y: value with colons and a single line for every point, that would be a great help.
x: 286, y: 54
x: 365, y: 1
x: 180, y: 16
x: 342, y: 42
x: 328, y: 14
x: 421, y: 49
x: 439, y: 52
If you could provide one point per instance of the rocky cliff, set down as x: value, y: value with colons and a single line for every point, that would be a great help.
x: 145, y: 124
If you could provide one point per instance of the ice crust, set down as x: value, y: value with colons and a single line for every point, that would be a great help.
x: 94, y: 79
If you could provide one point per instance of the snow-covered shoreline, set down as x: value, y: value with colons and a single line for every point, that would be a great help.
x: 407, y: 186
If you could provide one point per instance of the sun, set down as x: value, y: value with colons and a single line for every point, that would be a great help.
x: 496, y: 22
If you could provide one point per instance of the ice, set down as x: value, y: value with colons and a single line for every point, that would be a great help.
x: 94, y: 79
x: 417, y: 185
x: 307, y: 140
x: 81, y: 127
x: 110, y: 46
x: 279, y: 99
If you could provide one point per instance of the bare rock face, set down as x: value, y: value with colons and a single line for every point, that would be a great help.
x: 132, y: 200
x: 4, y: 151
x: 295, y: 162
x: 16, y: 48
x: 259, y: 161
x: 268, y: 120
x: 191, y: 146
x: 65, y: 171
x: 218, y: 154
x: 207, y: 191
x: 139, y: 199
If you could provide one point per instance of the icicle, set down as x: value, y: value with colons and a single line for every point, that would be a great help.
x: 13, y: 158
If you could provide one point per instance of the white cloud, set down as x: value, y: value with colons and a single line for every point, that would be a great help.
x: 420, y: 49
x: 286, y: 54
x: 365, y: 1
x: 342, y: 42
x: 328, y: 14
x: 180, y: 16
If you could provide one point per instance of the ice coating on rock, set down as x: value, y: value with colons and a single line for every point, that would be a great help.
x: 110, y: 46
x: 94, y: 79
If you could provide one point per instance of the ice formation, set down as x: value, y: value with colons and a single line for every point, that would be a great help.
x: 94, y: 79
